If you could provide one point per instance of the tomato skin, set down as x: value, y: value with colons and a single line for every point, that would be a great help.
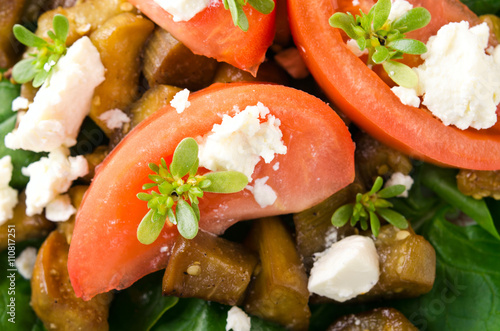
x: 212, y: 33
x: 370, y: 103
x: 105, y: 253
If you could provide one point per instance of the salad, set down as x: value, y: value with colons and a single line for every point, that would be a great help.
x: 165, y: 163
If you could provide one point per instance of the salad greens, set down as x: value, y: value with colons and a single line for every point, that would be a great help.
x: 239, y: 17
x: 481, y: 7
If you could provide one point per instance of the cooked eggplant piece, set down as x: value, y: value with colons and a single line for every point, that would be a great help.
x: 313, y: 226
x: 380, y: 319
x: 119, y: 42
x: 279, y: 290
x: 168, y: 61
x: 268, y: 72
x: 209, y: 268
x: 479, y: 184
x: 76, y: 195
x: 94, y: 159
x: 10, y: 14
x: 53, y: 298
x: 27, y: 227
x: 493, y: 22
x: 407, y: 264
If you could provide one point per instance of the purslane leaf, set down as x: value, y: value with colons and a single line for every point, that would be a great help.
x: 381, y: 13
x: 226, y: 181
x: 342, y: 215
x: 401, y: 74
x: 377, y: 185
x: 61, y: 26
x: 413, y: 19
x: 381, y: 54
x: 408, y: 46
x: 27, y: 38
x: 24, y: 71
x: 150, y: 227
x: 187, y: 221
x: 262, y: 6
x: 344, y: 22
x: 393, y: 218
x: 391, y: 191
x: 185, y: 157
x: 374, y: 224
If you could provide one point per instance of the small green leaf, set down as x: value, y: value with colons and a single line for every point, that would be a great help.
x: 342, y: 215
x: 156, y: 178
x: 381, y: 54
x: 148, y: 186
x: 194, y: 168
x: 154, y: 167
x: 24, y: 71
x: 165, y: 188
x: 149, y: 229
x: 377, y: 185
x: 401, y: 74
x: 171, y: 216
x: 408, y: 46
x: 196, y: 210
x: 61, y: 27
x: 262, y: 6
x: 226, y: 182
x: 144, y: 196
x: 185, y: 157
x: 344, y: 22
x: 391, y: 191
x: 27, y: 38
x: 364, y: 224
x: 187, y: 221
x: 381, y: 13
x: 361, y: 43
x: 381, y: 203
x: 40, y: 78
x: 374, y: 224
x: 413, y: 19
x: 205, y: 183
x: 393, y: 218
x: 239, y: 17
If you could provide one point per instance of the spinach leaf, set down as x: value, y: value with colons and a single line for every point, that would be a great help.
x: 89, y: 137
x: 481, y: 7
x: 467, y: 287
x: 140, y: 306
x: 8, y: 92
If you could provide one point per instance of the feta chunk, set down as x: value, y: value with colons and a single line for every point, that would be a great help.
x: 353, y: 47
x: 57, y: 112
x: 398, y: 9
x: 20, y: 103
x: 237, y: 320
x: 183, y: 10
x: 60, y: 209
x: 264, y: 194
x: 348, y: 268
x: 459, y: 81
x: 180, y: 101
x: 51, y: 176
x: 114, y: 118
x: 407, y: 96
x: 399, y: 178
x: 25, y: 262
x: 8, y: 195
x: 239, y: 142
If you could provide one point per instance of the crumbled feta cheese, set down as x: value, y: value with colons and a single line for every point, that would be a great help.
x: 180, y: 101
x: 353, y: 47
x: 263, y: 193
x: 407, y: 96
x: 20, y: 103
x: 60, y: 209
x: 348, y: 268
x: 8, y: 195
x: 51, y: 176
x: 239, y: 142
x: 459, y: 81
x: 276, y: 166
x: 398, y: 9
x: 114, y: 118
x: 25, y: 262
x: 332, y: 236
x: 355, y: 2
x: 399, y: 178
x: 183, y: 10
x: 237, y: 320
x: 57, y: 112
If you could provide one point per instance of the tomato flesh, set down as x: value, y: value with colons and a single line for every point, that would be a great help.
x: 105, y: 253
x: 370, y: 103
x: 212, y: 33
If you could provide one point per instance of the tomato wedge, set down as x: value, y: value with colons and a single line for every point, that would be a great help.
x: 370, y: 103
x: 212, y: 33
x: 105, y: 253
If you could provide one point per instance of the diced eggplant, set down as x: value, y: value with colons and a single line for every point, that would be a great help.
x: 76, y: 194
x: 279, y: 290
x: 380, y: 319
x: 53, y: 298
x: 268, y: 72
x: 168, y: 61
x: 209, y: 268
x: 10, y: 14
x: 94, y: 159
x: 493, y: 22
x: 479, y: 184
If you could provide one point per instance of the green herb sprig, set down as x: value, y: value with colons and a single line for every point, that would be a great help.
x: 236, y: 8
x: 385, y: 40
x: 370, y: 206
x: 179, y: 191
x: 38, y: 66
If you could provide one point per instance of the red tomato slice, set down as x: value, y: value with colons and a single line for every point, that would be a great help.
x: 105, y: 253
x: 370, y: 103
x: 212, y: 33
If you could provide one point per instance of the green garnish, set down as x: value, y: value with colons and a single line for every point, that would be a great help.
x: 39, y: 65
x: 385, y: 40
x: 236, y: 8
x: 177, y: 196
x: 370, y: 206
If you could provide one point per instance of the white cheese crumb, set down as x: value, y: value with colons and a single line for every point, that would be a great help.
x: 407, y: 96
x: 459, y: 81
x: 60, y: 209
x: 180, y: 101
x: 348, y: 268
x: 398, y: 9
x: 51, y: 176
x: 276, y: 166
x: 25, y: 262
x: 264, y: 194
x: 57, y: 112
x: 353, y: 47
x: 399, y: 178
x: 239, y: 142
x: 238, y: 320
x: 8, y: 195
x: 331, y: 236
x: 20, y: 103
x: 183, y: 10
x: 355, y: 2
x: 114, y: 118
